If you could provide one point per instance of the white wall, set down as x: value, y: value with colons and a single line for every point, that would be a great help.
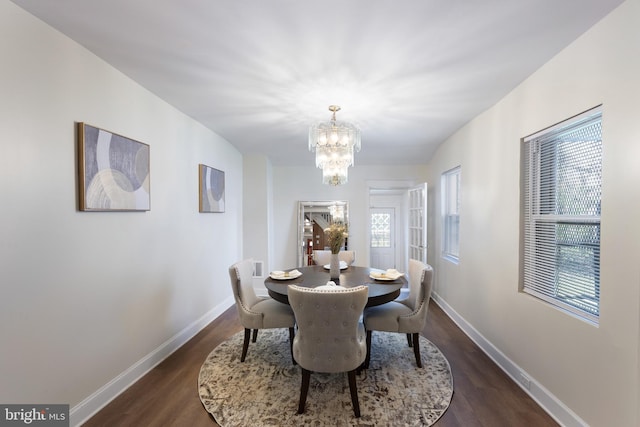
x: 87, y: 295
x: 257, y: 211
x: 592, y: 371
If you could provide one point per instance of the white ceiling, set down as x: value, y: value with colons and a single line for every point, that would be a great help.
x: 258, y: 72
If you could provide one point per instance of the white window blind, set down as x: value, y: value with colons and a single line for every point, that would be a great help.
x: 562, y: 184
x: 451, y: 213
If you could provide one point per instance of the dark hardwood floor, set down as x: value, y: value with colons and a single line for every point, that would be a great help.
x: 483, y: 394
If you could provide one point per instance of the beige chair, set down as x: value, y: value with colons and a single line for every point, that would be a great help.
x: 330, y: 336
x: 321, y: 257
x: 257, y: 312
x: 324, y: 257
x: 407, y: 316
x: 347, y: 256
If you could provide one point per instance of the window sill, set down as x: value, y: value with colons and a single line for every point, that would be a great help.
x: 452, y: 259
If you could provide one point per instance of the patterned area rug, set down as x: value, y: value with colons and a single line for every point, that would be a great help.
x: 264, y: 390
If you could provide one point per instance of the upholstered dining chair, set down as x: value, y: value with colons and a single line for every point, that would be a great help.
x: 408, y: 315
x: 323, y: 257
x: 257, y: 312
x: 347, y: 256
x: 330, y: 336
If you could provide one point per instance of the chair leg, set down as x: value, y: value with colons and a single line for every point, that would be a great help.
x: 409, y: 340
x: 353, y: 388
x: 416, y: 349
x: 366, y: 360
x: 255, y: 335
x: 304, y: 388
x: 291, y: 335
x: 245, y: 345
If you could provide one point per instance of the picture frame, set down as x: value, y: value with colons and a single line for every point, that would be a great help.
x: 113, y: 171
x: 211, y: 189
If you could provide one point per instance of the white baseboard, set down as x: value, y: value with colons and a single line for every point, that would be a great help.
x: 100, y: 398
x: 550, y: 403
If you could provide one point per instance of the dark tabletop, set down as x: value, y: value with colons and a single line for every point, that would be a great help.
x: 380, y: 292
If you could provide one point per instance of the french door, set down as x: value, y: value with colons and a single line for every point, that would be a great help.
x: 418, y: 223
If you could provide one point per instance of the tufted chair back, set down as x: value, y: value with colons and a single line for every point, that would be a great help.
x: 323, y: 257
x: 347, y: 256
x: 417, y: 272
x: 407, y: 316
x: 420, y: 286
x: 330, y: 337
x: 256, y: 312
x: 242, y: 284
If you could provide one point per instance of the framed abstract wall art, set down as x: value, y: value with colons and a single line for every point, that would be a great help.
x: 211, y: 189
x: 113, y: 171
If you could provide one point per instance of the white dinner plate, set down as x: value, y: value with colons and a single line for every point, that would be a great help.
x: 384, y: 278
x: 387, y: 276
x: 285, y: 276
x: 343, y: 265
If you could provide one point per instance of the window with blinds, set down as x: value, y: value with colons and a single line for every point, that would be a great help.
x: 451, y: 214
x: 562, y: 182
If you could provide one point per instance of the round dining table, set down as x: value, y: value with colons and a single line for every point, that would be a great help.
x: 380, y: 291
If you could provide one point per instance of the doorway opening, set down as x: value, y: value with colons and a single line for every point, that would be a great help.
x: 397, y: 225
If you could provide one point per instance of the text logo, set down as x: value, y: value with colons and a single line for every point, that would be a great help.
x: 34, y: 415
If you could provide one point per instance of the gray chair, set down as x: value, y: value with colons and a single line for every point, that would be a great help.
x: 323, y: 257
x: 330, y: 336
x: 347, y: 256
x: 257, y: 312
x: 407, y: 316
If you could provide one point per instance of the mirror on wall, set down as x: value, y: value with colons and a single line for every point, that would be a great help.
x: 313, y: 218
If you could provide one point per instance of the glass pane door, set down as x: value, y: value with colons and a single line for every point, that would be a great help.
x: 418, y: 223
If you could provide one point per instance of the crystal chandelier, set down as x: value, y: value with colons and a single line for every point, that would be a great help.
x: 337, y: 213
x: 334, y: 143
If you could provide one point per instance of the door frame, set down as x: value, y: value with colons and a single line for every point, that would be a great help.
x: 399, y: 187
